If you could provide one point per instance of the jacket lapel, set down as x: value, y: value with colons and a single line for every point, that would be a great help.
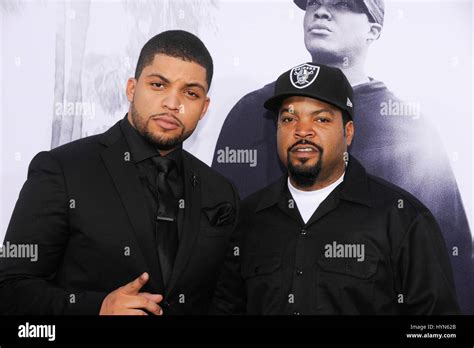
x: 189, y: 228
x: 118, y: 161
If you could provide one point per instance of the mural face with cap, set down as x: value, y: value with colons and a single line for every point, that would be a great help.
x: 311, y: 141
x: 337, y: 31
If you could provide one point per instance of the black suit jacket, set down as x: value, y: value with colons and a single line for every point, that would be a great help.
x: 83, y: 205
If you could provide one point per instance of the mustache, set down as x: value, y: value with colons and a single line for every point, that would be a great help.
x: 305, y: 142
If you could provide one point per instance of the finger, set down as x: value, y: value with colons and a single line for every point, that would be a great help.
x: 134, y: 287
x: 152, y: 307
x: 137, y: 312
x: 140, y: 302
x: 152, y: 297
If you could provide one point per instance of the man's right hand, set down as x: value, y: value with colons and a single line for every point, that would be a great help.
x: 127, y: 300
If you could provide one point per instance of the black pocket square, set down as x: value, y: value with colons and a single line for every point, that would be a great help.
x: 221, y: 214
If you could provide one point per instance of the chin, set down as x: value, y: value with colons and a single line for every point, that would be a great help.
x: 304, y: 160
x: 302, y: 164
x: 324, y: 49
x: 159, y: 132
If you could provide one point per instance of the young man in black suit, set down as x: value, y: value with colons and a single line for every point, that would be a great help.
x: 127, y: 204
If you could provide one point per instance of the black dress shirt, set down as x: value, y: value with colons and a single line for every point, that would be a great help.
x: 141, y: 152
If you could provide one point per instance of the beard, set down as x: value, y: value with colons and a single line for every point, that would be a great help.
x: 305, y: 175
x: 161, y: 142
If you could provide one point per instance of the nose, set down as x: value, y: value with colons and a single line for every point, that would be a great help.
x: 322, y: 12
x: 304, y: 130
x: 171, y: 101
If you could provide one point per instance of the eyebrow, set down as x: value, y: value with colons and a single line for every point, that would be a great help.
x: 317, y: 112
x: 191, y: 84
x: 196, y: 84
x: 159, y: 76
x: 314, y: 113
x: 286, y: 110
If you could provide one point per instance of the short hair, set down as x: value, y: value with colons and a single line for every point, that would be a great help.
x: 178, y: 44
x: 345, y: 118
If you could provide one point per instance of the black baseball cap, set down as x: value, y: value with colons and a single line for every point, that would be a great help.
x: 375, y: 9
x: 316, y: 81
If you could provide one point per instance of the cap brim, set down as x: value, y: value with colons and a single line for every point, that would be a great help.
x: 301, y: 4
x: 274, y: 103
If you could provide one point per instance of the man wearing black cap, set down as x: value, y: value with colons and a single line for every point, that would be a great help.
x: 392, y: 143
x: 328, y: 238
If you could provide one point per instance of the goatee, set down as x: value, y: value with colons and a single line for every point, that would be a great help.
x: 304, y: 175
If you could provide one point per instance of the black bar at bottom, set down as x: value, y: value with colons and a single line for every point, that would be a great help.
x: 448, y: 331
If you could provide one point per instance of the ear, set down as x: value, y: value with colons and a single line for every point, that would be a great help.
x: 204, y: 109
x: 130, y: 90
x: 374, y: 32
x: 349, y: 132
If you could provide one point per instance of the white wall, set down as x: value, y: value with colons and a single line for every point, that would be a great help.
x: 424, y: 55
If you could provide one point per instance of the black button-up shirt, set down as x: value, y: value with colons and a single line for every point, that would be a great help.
x: 369, y: 248
x: 141, y: 152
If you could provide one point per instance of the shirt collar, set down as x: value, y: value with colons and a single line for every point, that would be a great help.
x: 141, y: 149
x: 354, y: 188
x: 328, y: 188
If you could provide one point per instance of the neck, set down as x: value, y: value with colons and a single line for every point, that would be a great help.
x: 352, y: 67
x: 165, y: 152
x: 322, y: 181
x: 162, y: 152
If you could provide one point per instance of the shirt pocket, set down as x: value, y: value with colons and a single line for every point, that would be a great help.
x: 345, y: 285
x: 262, y: 276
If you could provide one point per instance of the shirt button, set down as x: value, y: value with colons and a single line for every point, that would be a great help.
x: 303, y: 232
x: 299, y: 272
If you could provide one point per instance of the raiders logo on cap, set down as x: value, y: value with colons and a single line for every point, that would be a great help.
x: 332, y: 87
x: 303, y: 75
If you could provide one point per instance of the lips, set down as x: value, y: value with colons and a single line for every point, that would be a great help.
x: 166, y: 122
x: 319, y: 29
x: 304, y: 149
x: 320, y: 26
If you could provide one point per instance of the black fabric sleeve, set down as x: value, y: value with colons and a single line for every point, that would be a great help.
x: 41, y: 218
